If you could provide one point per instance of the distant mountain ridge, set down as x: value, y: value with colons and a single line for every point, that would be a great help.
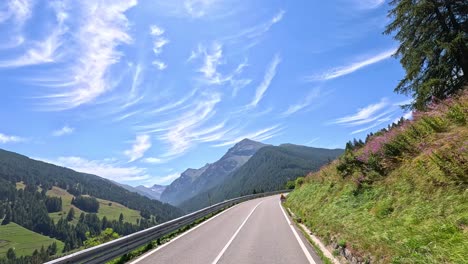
x: 153, y: 192
x: 194, y: 181
x: 268, y: 170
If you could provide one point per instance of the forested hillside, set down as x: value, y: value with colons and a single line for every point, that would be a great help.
x: 26, y: 198
x: 399, y: 198
x: 268, y: 170
x: 193, y: 182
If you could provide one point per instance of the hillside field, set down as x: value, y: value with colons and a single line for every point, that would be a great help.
x: 23, y: 240
x: 109, y: 209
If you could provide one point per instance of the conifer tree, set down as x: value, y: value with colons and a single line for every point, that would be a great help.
x: 433, y: 47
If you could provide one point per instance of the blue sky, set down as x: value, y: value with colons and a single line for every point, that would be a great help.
x: 138, y: 91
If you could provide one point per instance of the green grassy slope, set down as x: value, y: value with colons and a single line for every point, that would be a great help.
x: 401, y: 198
x: 23, y: 240
x: 112, y: 212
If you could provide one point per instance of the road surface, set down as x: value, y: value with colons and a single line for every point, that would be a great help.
x: 256, y: 231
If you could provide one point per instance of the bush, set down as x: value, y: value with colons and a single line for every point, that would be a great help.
x: 290, y: 185
x: 299, y: 182
x: 457, y: 114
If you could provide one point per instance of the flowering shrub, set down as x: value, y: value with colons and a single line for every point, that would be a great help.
x: 384, y: 150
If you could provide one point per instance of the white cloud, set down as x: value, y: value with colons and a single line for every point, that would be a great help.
x: 153, y: 160
x: 41, y: 52
x: 141, y: 144
x: 408, y: 115
x: 18, y: 10
x: 164, y: 180
x: 66, y: 130
x: 348, y: 69
x: 108, y: 168
x: 363, y: 115
x: 303, y: 104
x: 259, y: 135
x: 211, y: 59
x: 102, y: 28
x: 269, y: 75
x: 10, y: 139
x: 255, y: 32
x: 310, y: 142
x: 198, y: 8
x: 369, y: 4
x: 372, y: 116
x: 159, y: 65
x: 158, y: 45
x: 181, y: 134
x: 156, y: 30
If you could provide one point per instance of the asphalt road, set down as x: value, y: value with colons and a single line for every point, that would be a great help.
x: 255, y: 231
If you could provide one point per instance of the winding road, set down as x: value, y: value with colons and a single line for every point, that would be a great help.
x: 256, y: 231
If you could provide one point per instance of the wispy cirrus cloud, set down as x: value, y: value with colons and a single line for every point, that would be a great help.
x: 43, y: 51
x: 348, y: 69
x: 315, y: 93
x: 10, y: 139
x: 107, y: 168
x: 370, y: 116
x: 368, y: 4
x: 159, y: 41
x: 86, y: 77
x: 259, y: 135
x: 363, y: 115
x: 154, y: 160
x: 199, y: 8
x: 212, y: 57
x: 181, y: 134
x: 267, y: 79
x: 66, y: 130
x: 252, y: 34
x: 141, y: 144
x: 17, y: 10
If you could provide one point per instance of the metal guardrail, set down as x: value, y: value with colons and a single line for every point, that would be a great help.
x: 115, y: 248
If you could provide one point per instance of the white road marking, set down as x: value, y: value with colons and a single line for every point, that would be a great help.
x: 234, y: 236
x: 183, y: 234
x: 303, y: 247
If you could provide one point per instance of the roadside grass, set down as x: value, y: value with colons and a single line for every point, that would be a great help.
x: 317, y: 249
x: 24, y: 241
x: 404, y: 201
x: 109, y: 209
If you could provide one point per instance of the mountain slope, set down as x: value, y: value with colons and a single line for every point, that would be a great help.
x: 268, y: 170
x: 400, y: 198
x: 193, y: 182
x: 17, y: 168
x: 154, y: 192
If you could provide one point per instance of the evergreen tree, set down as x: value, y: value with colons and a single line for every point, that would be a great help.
x: 71, y: 214
x: 7, y: 218
x: 11, y: 255
x: 82, y: 217
x: 121, y: 218
x: 433, y: 47
x: 52, y: 249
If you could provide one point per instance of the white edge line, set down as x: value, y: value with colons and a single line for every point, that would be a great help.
x: 234, y: 236
x: 303, y: 247
x: 179, y: 236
